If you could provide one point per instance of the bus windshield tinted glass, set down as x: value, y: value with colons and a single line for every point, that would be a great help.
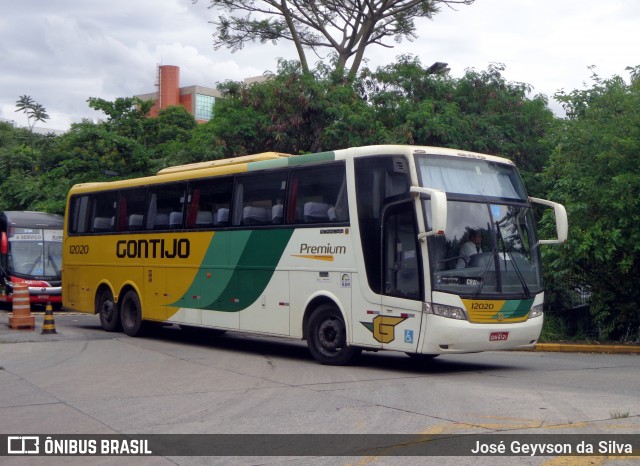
x: 35, y: 253
x: 488, y: 251
x: 470, y: 176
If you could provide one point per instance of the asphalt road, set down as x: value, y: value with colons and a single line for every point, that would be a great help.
x: 83, y: 380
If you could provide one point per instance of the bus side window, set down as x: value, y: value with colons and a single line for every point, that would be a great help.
x: 131, y: 210
x: 260, y: 198
x: 210, y: 203
x: 79, y: 214
x: 163, y: 201
x: 318, y: 195
x: 103, y: 213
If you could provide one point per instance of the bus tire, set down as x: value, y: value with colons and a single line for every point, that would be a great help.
x: 327, y: 337
x: 131, y: 314
x: 108, y: 311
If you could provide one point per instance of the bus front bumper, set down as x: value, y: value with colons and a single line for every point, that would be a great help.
x: 450, y: 336
x: 45, y: 295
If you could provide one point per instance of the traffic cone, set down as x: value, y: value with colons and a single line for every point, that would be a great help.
x: 21, y: 317
x: 48, y: 326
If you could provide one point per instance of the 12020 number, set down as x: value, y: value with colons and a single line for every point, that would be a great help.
x: 482, y: 306
x: 79, y: 249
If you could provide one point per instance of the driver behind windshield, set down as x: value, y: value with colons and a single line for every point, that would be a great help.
x: 469, y: 248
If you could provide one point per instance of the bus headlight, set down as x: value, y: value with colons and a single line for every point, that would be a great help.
x: 450, y: 312
x: 536, y: 311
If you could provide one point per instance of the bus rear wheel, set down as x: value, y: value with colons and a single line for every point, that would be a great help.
x: 327, y: 337
x: 108, y: 310
x: 131, y: 314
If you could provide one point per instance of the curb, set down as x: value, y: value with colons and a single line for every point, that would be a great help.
x: 576, y: 348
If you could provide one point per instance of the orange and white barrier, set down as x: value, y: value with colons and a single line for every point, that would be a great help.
x: 21, y: 317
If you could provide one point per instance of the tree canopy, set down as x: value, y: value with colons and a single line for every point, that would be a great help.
x: 343, y: 28
x: 594, y: 171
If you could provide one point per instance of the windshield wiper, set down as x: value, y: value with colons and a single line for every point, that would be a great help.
x: 519, y: 274
x: 494, y: 252
x: 523, y: 282
x: 53, y: 264
x: 33, y: 266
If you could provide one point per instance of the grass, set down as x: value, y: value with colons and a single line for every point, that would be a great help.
x: 619, y: 414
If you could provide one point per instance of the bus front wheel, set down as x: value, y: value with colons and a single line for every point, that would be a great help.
x: 131, y: 314
x: 327, y: 337
x: 108, y: 310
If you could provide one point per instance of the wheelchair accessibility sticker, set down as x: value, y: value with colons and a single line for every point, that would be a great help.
x: 408, y: 336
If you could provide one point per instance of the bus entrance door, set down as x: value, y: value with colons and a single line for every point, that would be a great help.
x: 401, y: 312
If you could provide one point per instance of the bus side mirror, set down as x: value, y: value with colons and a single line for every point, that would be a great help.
x: 562, y: 222
x: 4, y: 244
x: 438, y: 210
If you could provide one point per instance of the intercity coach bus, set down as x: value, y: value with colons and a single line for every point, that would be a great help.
x: 31, y: 253
x: 360, y: 248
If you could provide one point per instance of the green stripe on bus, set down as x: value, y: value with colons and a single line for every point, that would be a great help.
x: 293, y: 160
x: 516, y: 308
x: 252, y: 259
x: 311, y: 158
x: 265, y: 164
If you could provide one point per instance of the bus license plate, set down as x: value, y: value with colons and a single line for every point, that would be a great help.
x: 498, y: 336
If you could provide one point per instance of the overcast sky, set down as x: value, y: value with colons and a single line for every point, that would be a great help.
x: 62, y: 52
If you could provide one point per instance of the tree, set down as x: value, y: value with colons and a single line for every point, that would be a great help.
x: 292, y: 112
x: 345, y: 28
x: 594, y: 171
x: 169, y: 135
x: 297, y: 112
x: 127, y: 116
x: 34, y: 111
x: 481, y: 111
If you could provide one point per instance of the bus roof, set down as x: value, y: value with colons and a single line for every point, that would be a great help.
x: 269, y: 160
x: 29, y: 219
x: 224, y: 162
x: 417, y: 150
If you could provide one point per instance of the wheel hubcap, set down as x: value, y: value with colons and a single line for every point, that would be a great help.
x: 329, y: 336
x: 107, y: 310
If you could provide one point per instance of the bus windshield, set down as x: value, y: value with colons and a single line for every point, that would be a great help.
x: 489, y: 249
x: 35, y: 252
x: 470, y: 176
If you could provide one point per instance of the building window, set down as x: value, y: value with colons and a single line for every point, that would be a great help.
x: 204, y: 106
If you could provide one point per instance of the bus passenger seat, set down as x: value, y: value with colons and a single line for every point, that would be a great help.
x: 135, y: 222
x: 204, y: 218
x: 102, y: 224
x: 254, y: 216
x: 331, y: 213
x: 222, y: 217
x: 277, y: 213
x: 175, y: 220
x: 316, y: 212
x: 162, y: 222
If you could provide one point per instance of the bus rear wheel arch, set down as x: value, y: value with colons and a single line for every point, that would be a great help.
x: 108, y: 310
x: 131, y: 313
x: 326, y: 334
